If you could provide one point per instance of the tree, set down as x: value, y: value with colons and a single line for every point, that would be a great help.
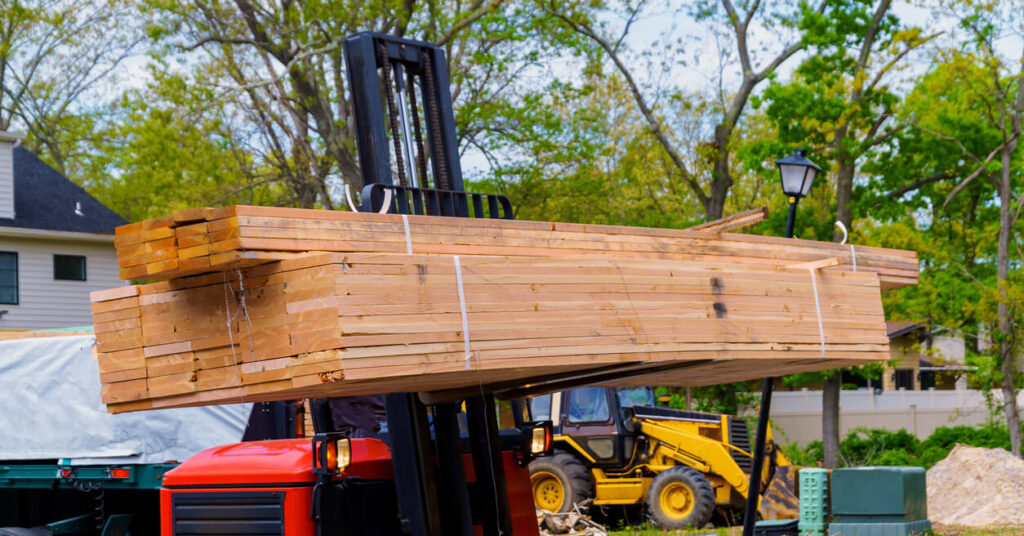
x: 972, y: 103
x: 57, y: 63
x: 839, y: 102
x: 712, y: 190
x: 280, y: 67
x: 170, y: 150
x: 587, y: 159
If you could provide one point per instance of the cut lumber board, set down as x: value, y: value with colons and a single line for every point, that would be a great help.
x: 735, y: 221
x: 333, y: 324
x: 233, y: 237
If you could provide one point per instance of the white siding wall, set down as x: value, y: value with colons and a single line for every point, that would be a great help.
x: 48, y: 303
x: 6, y: 179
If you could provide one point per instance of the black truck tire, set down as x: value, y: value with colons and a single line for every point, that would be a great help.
x: 679, y: 498
x: 558, y: 482
x: 24, y: 531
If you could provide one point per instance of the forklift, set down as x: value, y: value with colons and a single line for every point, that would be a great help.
x: 409, y: 160
x: 438, y: 470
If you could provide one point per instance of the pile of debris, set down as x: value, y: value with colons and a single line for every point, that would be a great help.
x: 977, y: 487
x: 573, y: 523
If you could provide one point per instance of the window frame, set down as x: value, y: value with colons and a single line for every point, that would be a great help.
x: 85, y: 272
x: 17, y: 280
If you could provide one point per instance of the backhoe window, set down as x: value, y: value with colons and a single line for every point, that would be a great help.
x: 635, y: 396
x: 540, y: 408
x: 588, y: 404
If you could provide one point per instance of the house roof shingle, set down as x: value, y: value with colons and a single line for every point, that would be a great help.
x: 900, y: 328
x: 45, y: 199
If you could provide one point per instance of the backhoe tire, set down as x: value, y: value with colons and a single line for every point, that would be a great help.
x: 679, y: 498
x: 558, y: 482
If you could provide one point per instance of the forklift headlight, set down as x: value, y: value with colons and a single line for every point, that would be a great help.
x: 332, y: 453
x: 343, y: 447
x: 540, y: 439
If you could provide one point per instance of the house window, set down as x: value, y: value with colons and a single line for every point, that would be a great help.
x: 905, y: 379
x: 9, y: 277
x: 69, y: 267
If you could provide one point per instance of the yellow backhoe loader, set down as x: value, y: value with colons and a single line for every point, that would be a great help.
x: 613, y: 445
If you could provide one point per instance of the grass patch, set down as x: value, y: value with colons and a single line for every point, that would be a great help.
x: 938, y: 530
x: 649, y: 530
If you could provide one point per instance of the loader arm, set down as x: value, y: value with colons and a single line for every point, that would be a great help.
x: 710, y: 456
x: 701, y: 453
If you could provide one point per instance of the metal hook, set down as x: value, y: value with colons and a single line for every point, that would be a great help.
x: 348, y: 199
x: 842, y: 228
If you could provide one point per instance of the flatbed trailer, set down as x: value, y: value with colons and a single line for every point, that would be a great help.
x: 61, y: 498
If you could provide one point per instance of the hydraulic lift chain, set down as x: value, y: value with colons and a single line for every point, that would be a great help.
x: 382, y: 53
x: 435, y: 121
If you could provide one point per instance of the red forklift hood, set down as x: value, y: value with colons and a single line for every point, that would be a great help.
x: 282, y: 461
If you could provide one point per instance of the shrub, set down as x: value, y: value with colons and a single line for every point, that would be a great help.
x: 863, y: 447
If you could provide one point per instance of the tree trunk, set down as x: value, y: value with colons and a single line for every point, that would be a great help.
x: 834, y: 384
x: 844, y: 192
x: 721, y: 178
x: 1005, y: 323
x: 830, y: 418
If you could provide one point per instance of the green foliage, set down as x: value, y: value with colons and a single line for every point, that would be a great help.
x: 726, y: 398
x: 864, y: 447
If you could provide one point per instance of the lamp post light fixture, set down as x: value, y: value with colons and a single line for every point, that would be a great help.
x: 798, y: 174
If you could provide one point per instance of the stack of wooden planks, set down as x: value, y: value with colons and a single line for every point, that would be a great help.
x: 356, y: 323
x: 263, y: 303
x: 197, y: 241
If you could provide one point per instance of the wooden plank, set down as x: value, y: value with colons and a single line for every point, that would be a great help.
x: 115, y: 293
x: 733, y: 222
x: 298, y: 230
x: 386, y: 316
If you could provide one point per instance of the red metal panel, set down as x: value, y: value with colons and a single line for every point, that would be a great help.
x: 283, y: 461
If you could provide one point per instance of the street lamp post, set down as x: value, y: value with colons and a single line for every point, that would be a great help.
x: 797, y: 173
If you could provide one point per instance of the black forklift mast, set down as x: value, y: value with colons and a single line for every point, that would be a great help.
x: 399, y: 90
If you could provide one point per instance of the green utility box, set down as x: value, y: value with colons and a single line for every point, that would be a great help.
x: 813, y: 487
x: 879, y: 501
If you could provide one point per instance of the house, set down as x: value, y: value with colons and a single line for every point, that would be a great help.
x: 923, y: 360
x: 923, y: 386
x: 56, y: 243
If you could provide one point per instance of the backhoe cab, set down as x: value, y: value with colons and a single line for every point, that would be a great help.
x: 613, y: 445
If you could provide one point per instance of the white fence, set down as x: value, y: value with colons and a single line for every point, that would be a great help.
x: 796, y: 415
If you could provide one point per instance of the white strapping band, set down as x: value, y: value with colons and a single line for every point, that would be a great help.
x: 853, y: 257
x: 817, y: 305
x: 408, y: 236
x: 462, y: 307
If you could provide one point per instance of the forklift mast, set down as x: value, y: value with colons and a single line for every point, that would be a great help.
x: 400, y: 92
